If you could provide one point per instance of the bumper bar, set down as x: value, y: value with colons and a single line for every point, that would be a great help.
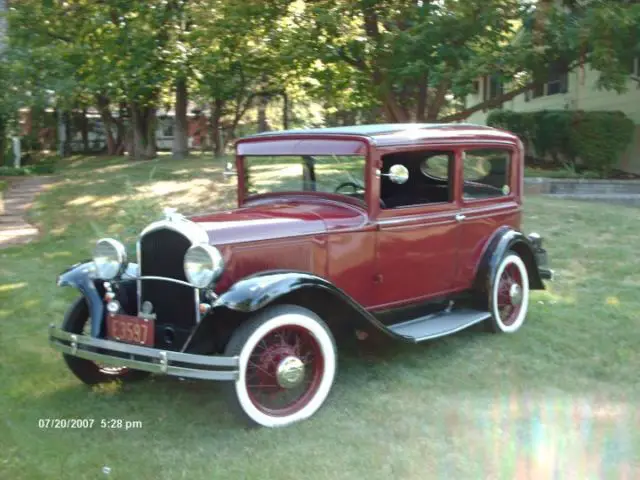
x: 546, y: 273
x: 186, y: 365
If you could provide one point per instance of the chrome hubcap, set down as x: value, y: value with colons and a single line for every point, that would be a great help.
x: 515, y: 294
x: 290, y: 372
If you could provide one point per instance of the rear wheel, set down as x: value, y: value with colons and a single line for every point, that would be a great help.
x: 287, y: 366
x: 509, y: 296
x: 76, y: 321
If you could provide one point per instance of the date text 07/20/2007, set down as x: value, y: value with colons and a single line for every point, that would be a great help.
x: 78, y: 423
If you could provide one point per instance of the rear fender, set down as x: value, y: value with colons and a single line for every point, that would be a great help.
x: 503, y: 240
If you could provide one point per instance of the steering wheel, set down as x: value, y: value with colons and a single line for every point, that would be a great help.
x: 358, y: 191
x: 354, y: 186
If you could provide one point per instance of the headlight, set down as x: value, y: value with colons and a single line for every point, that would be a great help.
x: 203, y: 265
x: 110, y: 258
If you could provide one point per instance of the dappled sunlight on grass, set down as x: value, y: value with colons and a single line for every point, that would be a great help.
x: 557, y: 399
x: 57, y: 254
x: 613, y: 301
x: 6, y: 287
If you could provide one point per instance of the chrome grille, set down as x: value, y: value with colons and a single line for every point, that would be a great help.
x: 161, y: 255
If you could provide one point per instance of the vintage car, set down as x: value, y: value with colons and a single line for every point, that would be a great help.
x: 404, y: 231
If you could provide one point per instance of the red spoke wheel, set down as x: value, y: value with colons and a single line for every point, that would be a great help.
x: 287, y: 359
x: 509, y: 298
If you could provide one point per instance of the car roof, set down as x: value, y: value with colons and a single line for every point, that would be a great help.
x: 398, y: 133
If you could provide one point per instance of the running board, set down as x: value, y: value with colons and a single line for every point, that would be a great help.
x: 438, y: 324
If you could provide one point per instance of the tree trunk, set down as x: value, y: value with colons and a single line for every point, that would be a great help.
x: 263, y: 125
x: 2, y: 139
x: 393, y: 111
x: 422, y: 101
x: 215, y: 128
x: 438, y: 100
x: 180, y: 147
x: 143, y: 126
x: 115, y: 144
x: 285, y: 110
x: 84, y: 130
x: 67, y: 146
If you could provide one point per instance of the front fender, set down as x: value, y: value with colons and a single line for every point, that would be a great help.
x: 503, y: 240
x: 82, y: 276
x: 257, y: 291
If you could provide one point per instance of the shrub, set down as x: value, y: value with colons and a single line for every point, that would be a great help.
x: 592, y: 140
x: 41, y: 168
x: 599, y: 138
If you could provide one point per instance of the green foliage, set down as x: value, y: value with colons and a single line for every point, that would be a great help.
x: 572, y: 138
x: 599, y: 138
x: 44, y: 167
x: 562, y: 172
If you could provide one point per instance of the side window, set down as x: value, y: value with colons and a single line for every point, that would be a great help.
x: 436, y: 166
x: 486, y: 173
x: 429, y: 182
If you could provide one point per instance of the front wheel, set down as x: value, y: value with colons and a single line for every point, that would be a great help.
x: 76, y: 321
x: 509, y: 296
x: 287, y: 364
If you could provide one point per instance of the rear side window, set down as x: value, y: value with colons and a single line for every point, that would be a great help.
x: 486, y: 173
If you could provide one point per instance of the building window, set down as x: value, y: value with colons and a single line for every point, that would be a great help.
x: 557, y: 82
x: 493, y: 87
x: 167, y: 130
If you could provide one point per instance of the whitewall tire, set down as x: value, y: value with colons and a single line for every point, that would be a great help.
x: 287, y: 365
x: 509, y: 296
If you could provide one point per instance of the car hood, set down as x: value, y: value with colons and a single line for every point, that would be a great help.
x: 264, y: 222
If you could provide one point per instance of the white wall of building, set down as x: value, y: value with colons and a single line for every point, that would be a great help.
x: 582, y: 94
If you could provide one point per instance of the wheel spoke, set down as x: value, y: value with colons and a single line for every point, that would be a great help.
x: 265, y: 388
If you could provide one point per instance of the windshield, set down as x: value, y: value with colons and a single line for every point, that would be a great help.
x: 305, y: 173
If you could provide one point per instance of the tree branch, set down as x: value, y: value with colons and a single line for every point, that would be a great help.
x: 491, y: 103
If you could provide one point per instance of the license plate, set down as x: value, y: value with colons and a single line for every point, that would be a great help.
x: 130, y: 329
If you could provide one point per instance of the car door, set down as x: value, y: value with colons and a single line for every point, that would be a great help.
x: 489, y: 192
x: 416, y: 239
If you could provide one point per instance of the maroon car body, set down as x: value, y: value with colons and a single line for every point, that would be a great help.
x: 422, y: 240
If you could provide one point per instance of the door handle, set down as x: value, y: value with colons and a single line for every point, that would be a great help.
x: 460, y: 217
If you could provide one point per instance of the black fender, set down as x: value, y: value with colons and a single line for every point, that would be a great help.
x: 256, y: 292
x: 503, y: 240
x: 82, y: 276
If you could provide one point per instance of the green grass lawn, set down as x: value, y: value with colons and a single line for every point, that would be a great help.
x: 560, y: 396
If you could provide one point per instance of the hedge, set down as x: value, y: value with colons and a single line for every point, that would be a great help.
x: 41, y: 168
x: 575, y: 138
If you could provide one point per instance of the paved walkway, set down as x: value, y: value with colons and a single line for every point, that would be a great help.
x: 14, y: 203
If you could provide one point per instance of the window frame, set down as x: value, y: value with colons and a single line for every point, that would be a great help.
x: 512, y: 173
x: 420, y: 208
x: 243, y: 162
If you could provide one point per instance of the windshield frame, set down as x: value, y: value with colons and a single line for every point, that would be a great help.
x: 306, y: 144
x: 319, y: 175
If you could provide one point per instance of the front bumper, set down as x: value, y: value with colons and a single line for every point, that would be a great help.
x: 152, y: 360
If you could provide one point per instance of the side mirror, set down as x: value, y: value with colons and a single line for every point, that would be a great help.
x: 397, y: 174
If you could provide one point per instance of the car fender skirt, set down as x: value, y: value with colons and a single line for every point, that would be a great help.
x: 503, y: 240
x: 255, y: 292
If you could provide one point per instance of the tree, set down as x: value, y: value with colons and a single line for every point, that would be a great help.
x: 412, y: 56
x: 236, y: 60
